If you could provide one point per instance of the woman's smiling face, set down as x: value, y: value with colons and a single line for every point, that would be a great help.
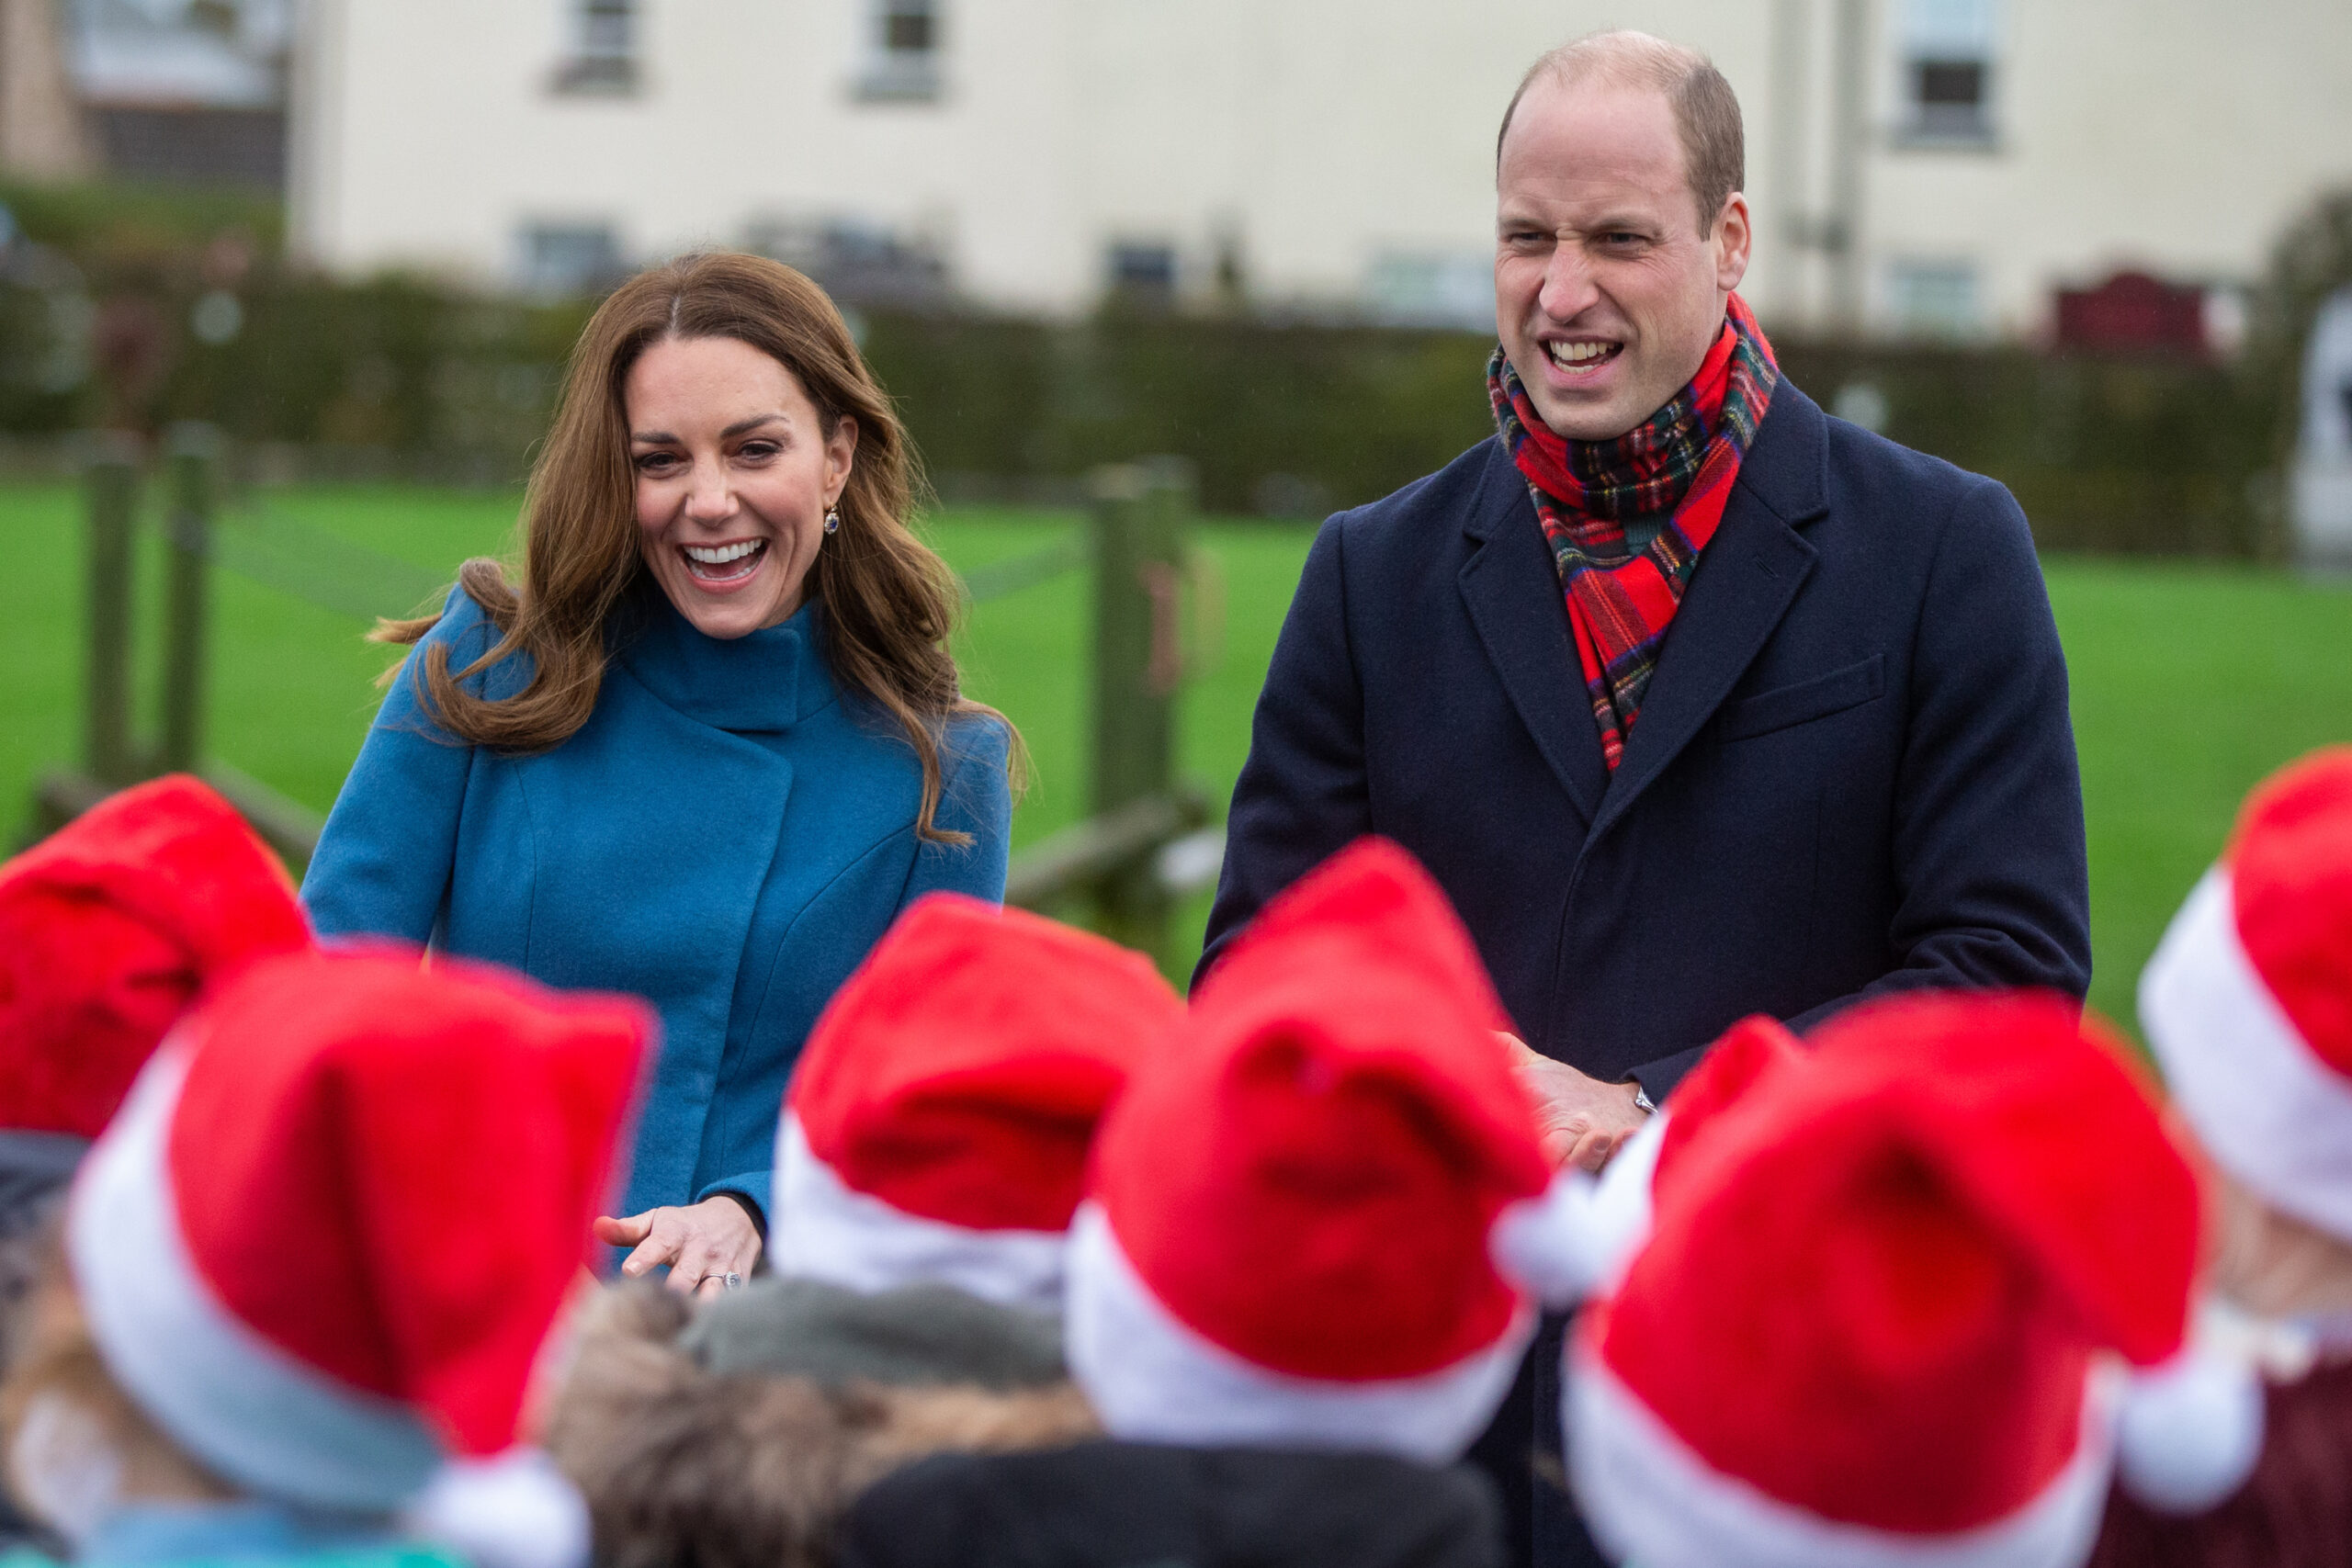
x: 735, y: 473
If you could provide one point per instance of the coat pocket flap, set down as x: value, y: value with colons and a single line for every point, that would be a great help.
x: 1805, y: 701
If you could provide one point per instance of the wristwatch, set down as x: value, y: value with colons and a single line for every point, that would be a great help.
x: 1642, y: 1101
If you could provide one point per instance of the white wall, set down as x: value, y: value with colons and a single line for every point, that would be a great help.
x: 437, y: 136
x: 1320, y: 135
x: 2177, y: 135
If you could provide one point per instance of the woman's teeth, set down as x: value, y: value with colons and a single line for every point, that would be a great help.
x: 721, y: 563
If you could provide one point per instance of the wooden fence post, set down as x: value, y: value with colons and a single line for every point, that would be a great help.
x: 112, y: 500
x: 194, y: 450
x: 1139, y: 514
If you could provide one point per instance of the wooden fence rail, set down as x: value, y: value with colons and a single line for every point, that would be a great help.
x: 1148, y: 839
x: 1114, y: 862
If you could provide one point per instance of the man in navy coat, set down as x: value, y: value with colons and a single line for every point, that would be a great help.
x: 1678, y: 754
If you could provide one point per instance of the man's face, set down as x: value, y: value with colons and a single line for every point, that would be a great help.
x: 1606, y: 295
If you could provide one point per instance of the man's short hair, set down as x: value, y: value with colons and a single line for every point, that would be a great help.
x: 1706, y: 111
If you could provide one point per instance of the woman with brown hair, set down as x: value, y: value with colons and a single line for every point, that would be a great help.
x: 709, y: 745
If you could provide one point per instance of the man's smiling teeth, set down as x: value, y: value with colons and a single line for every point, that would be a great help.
x: 1579, y: 355
x: 719, y: 555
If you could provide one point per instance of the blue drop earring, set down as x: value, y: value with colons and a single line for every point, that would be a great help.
x: 832, y: 520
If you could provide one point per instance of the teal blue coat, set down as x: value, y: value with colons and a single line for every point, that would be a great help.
x: 727, y: 836
x: 245, y: 1533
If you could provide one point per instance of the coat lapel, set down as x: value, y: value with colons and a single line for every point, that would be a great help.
x: 1512, y: 591
x: 1744, y: 584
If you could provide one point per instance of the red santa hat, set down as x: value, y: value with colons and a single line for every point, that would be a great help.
x: 109, y: 928
x: 1579, y: 1241
x: 939, y: 1120
x: 322, y: 1244
x: 1735, y: 1067
x: 1903, y: 1304
x: 1287, y: 1234
x: 2247, y: 1004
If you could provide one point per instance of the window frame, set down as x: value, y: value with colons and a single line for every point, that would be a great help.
x: 1911, y: 280
x: 602, y: 67
x: 1940, y: 38
x: 599, y: 255
x: 896, y: 72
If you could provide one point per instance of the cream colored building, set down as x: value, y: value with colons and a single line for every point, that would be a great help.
x: 1917, y: 165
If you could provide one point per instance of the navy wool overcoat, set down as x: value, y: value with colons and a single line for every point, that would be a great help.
x: 1854, y: 772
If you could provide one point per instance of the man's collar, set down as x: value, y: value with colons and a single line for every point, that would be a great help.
x: 1786, y: 468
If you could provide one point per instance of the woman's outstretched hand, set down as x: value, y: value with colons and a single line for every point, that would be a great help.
x: 702, y: 1244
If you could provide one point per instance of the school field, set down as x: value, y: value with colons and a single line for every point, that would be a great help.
x: 2189, y: 681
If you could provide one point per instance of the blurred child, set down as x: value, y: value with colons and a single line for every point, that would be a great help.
x: 938, y: 1125
x: 932, y: 1147
x: 1910, y: 1296
x: 1281, y: 1296
x: 2247, y: 1006
x: 310, y: 1266
x: 108, y: 929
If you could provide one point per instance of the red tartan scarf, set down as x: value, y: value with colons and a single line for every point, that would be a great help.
x: 1682, y: 461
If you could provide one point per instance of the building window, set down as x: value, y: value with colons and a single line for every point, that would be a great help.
x: 604, y: 48
x: 1432, y: 289
x: 910, y: 27
x: 902, y: 52
x: 1948, y: 71
x: 1141, y: 274
x: 1934, y: 299
x: 857, y: 262
x: 559, y: 260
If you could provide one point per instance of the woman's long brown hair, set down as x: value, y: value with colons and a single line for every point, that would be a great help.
x: 890, y: 603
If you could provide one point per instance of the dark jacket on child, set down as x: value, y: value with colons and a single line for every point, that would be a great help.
x: 1112, y: 1504
x: 733, y: 1446
x: 2295, y: 1511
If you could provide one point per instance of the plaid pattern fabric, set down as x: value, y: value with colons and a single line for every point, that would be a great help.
x: 1681, y: 460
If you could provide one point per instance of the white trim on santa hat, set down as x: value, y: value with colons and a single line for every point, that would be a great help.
x: 2269, y: 1110
x: 823, y: 1230
x: 1153, y: 1379
x: 1579, y: 1238
x: 516, y: 1509
x: 251, y: 1411
x: 1649, y: 1499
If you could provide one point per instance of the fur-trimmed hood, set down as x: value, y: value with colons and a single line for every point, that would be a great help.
x: 685, y: 1468
x: 911, y: 1334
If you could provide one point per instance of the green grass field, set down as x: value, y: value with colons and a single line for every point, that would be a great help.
x: 2189, y: 681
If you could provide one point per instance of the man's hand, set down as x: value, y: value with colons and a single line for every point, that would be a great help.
x: 1584, y: 1122
x: 702, y: 1244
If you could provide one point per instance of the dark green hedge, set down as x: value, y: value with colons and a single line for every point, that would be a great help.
x: 2116, y: 455
x: 2109, y: 455
x: 1302, y: 417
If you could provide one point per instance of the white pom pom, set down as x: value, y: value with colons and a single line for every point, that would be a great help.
x: 64, y: 1468
x: 1622, y: 1202
x: 2189, y: 1431
x: 513, y: 1511
x: 1576, y: 1239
